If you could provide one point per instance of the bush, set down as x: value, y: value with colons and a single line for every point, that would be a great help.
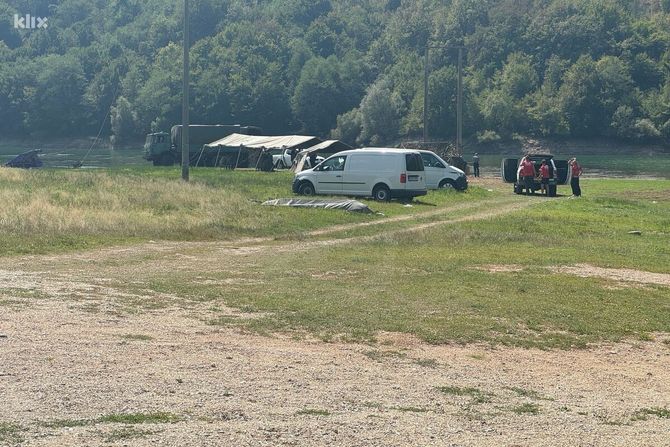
x: 487, y: 136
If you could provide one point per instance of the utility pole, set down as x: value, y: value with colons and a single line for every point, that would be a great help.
x: 185, y: 149
x: 459, y: 97
x: 425, y: 97
x: 459, y: 104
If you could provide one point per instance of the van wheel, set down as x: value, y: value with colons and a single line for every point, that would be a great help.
x: 306, y: 189
x: 381, y: 193
x: 447, y: 184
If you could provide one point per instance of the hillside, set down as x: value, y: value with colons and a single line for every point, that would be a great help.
x: 350, y: 69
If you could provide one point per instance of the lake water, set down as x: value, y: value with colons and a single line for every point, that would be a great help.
x: 95, y: 158
x: 615, y: 165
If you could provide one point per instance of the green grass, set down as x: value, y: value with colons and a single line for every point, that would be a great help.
x: 411, y: 409
x: 10, y: 434
x: 139, y: 418
x: 477, y: 395
x: 527, y: 409
x: 137, y: 337
x: 427, y: 363
x: 430, y: 283
x: 644, y: 413
x: 378, y: 356
x: 117, y: 418
x: 531, y: 394
x: 312, y: 412
x: 127, y: 433
x: 55, y: 210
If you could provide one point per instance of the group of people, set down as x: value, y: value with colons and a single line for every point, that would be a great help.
x: 527, y: 175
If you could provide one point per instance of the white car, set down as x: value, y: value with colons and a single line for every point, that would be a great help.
x: 371, y: 172
x: 281, y: 159
x: 440, y: 174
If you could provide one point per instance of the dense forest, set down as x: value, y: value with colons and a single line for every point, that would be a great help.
x: 352, y: 69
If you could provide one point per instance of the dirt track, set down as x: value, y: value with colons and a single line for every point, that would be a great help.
x: 71, y: 354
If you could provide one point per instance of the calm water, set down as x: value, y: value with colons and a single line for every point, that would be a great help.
x: 96, y: 158
x: 616, y: 165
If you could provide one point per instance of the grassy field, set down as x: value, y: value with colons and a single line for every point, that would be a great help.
x: 436, y: 283
x: 53, y: 210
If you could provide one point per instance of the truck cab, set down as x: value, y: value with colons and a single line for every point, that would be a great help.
x: 157, y: 149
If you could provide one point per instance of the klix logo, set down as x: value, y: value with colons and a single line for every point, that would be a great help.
x: 30, y: 22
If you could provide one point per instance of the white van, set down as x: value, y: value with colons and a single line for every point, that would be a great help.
x: 370, y: 172
x: 440, y: 174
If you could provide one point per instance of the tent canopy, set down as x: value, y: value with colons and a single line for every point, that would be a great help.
x: 327, y: 147
x: 256, y: 141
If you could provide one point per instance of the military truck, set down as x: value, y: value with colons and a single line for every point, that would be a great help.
x: 164, y: 149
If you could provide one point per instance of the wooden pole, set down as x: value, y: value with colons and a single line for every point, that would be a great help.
x: 425, y: 96
x: 459, y: 104
x: 185, y: 147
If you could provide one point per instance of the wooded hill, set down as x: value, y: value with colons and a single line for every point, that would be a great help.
x: 350, y: 68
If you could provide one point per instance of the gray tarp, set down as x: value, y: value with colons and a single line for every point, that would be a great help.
x: 328, y: 147
x: 347, y: 205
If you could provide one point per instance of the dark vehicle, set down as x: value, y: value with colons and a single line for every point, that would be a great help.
x: 164, y: 149
x: 509, y: 170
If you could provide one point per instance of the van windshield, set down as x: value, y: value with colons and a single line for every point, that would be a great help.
x: 414, y: 162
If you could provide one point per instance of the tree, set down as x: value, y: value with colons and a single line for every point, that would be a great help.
x: 317, y: 99
x: 123, y: 122
x: 349, y: 126
x: 579, y: 98
x: 380, y: 113
x: 55, y: 105
x: 518, y: 77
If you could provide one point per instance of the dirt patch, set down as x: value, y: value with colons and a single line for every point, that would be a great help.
x: 403, y: 218
x: 62, y: 365
x: 624, y: 275
x: 500, y: 268
x: 63, y: 369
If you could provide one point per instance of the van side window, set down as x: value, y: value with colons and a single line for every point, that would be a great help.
x: 334, y: 164
x: 414, y: 162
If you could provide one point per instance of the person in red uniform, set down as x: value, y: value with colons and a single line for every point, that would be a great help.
x: 528, y: 174
x: 544, y: 172
x: 574, y: 181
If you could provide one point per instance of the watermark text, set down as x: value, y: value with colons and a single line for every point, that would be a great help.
x: 30, y: 22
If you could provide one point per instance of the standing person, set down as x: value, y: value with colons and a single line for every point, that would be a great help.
x: 312, y: 159
x: 528, y: 173
x: 475, y: 164
x: 574, y: 181
x: 544, y: 172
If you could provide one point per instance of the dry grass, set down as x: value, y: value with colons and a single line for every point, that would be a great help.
x: 55, y: 210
